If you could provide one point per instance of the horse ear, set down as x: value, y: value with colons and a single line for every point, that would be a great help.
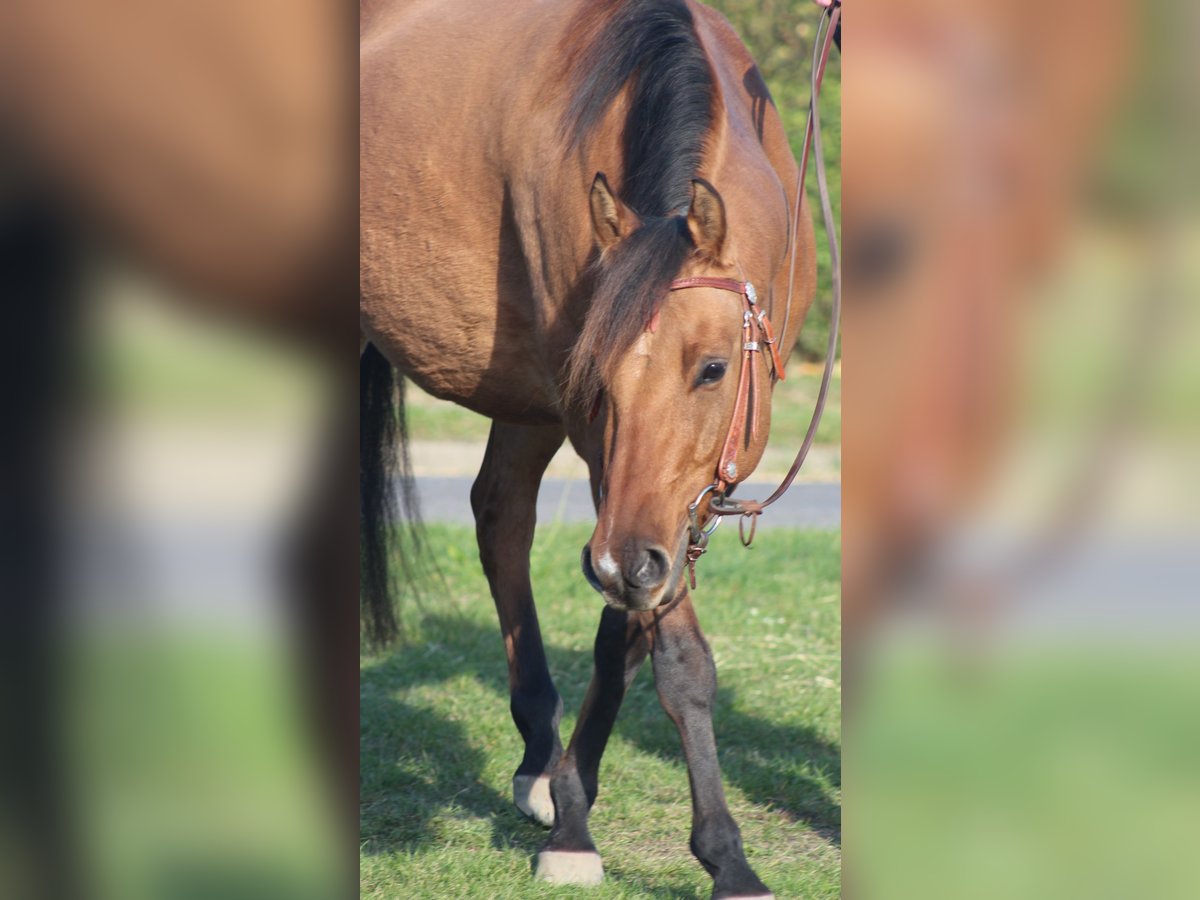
x: 706, y: 219
x: 611, y: 219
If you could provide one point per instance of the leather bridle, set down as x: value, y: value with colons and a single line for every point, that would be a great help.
x: 756, y: 331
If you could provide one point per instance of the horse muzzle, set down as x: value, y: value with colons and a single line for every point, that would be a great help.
x: 637, y: 581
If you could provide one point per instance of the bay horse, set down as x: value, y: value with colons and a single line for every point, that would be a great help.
x: 562, y: 205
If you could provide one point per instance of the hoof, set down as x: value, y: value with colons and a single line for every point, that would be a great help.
x: 531, y: 794
x: 569, y: 867
x: 749, y: 897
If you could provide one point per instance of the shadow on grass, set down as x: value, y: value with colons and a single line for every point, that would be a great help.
x: 416, y: 762
x: 415, y: 765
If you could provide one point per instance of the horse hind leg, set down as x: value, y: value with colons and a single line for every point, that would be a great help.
x: 504, y: 499
x: 570, y: 856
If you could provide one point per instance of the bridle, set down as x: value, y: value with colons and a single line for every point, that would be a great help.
x: 757, y: 332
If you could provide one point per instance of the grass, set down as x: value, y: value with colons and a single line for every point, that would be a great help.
x: 438, y: 746
x: 431, y: 419
x: 792, y: 407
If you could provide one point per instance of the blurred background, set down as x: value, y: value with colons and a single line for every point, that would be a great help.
x: 1020, y: 510
x: 178, y: 255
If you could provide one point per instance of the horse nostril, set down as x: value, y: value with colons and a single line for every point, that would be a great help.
x: 589, y: 572
x: 648, y: 568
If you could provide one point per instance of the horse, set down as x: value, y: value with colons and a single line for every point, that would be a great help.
x: 569, y: 213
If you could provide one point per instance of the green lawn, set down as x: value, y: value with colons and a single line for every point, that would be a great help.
x: 792, y: 408
x: 438, y: 746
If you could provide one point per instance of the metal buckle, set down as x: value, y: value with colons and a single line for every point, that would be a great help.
x: 697, y: 534
x: 751, y: 294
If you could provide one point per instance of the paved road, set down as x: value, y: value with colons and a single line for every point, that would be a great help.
x: 568, y: 500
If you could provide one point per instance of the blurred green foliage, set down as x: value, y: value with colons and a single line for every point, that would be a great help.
x: 779, y: 35
x: 1066, y: 770
x: 191, y: 770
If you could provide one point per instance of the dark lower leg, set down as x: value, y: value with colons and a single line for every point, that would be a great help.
x: 619, y: 651
x: 686, y: 680
x: 504, y: 501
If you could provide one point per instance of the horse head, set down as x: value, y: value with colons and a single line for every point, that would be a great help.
x: 662, y: 361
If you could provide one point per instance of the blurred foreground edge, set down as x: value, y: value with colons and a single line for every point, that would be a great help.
x: 178, y: 240
x: 1020, y: 626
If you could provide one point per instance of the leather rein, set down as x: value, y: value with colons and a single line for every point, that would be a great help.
x: 757, y: 332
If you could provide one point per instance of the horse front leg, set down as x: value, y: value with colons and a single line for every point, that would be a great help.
x: 686, y: 680
x: 504, y: 500
x: 570, y: 856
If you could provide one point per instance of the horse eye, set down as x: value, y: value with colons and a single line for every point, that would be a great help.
x: 712, y: 372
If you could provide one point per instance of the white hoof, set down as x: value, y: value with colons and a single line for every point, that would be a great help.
x: 531, y: 794
x: 568, y: 867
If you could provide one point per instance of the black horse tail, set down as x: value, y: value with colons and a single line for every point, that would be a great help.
x: 389, y: 516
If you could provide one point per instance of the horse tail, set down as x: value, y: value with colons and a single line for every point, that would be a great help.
x: 389, y: 516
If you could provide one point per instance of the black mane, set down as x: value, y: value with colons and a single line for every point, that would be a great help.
x: 652, y: 46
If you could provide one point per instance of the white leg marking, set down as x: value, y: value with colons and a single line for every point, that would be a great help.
x: 531, y: 794
x: 565, y: 867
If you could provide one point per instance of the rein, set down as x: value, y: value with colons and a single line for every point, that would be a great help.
x: 756, y: 330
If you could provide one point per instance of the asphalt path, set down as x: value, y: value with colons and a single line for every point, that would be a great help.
x: 806, y: 505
